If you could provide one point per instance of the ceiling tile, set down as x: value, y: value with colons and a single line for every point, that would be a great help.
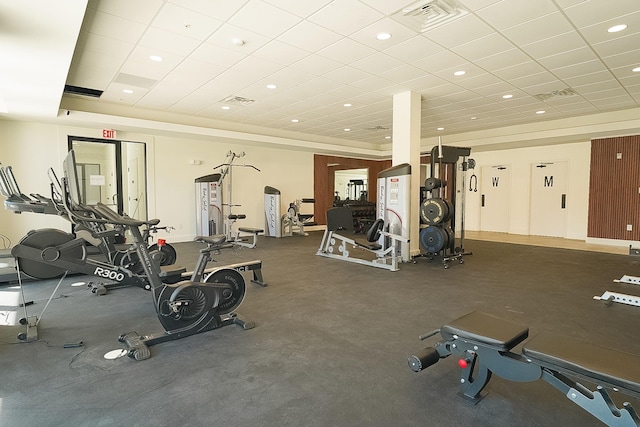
x: 216, y: 55
x: 579, y: 69
x: 309, y: 36
x: 414, y: 48
x: 345, y: 16
x: 554, y: 45
x: 509, y: 13
x: 483, y: 47
x: 142, y: 11
x: 224, y: 35
x: 367, y: 35
x: 185, y: 22
x: 280, y: 53
x: 502, y: 60
x: 164, y: 41
x: 115, y: 27
x: 376, y: 63
x: 462, y: 30
x: 598, y: 33
x: 220, y: 10
x: 347, y: 74
x: 519, y: 70
x: 346, y: 51
x: 567, y: 58
x: 618, y: 46
x: 440, y: 61
x: 252, y: 17
x: 317, y: 65
x: 299, y: 8
x: 591, y: 12
x: 528, y: 32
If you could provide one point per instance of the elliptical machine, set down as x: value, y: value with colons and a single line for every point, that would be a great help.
x: 184, y: 308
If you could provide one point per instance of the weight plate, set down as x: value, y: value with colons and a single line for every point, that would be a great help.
x: 450, y: 238
x: 433, y: 239
x: 169, y: 255
x: 47, y: 238
x: 434, y: 211
x: 432, y: 183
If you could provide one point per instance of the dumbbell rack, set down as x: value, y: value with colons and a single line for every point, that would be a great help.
x: 442, y: 212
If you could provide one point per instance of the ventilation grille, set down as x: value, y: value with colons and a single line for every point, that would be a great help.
x: 564, y: 92
x: 137, y: 81
x: 237, y: 100
x: 378, y: 128
x: 426, y: 15
x: 82, y: 91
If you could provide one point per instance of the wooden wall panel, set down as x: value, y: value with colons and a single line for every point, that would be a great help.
x: 324, y: 179
x: 614, y: 197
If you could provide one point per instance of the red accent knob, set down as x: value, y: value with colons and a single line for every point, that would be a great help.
x: 462, y: 363
x: 162, y: 242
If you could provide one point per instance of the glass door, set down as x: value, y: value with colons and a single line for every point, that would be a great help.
x: 113, y: 173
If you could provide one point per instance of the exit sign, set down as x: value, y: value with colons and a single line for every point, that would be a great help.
x: 108, y: 133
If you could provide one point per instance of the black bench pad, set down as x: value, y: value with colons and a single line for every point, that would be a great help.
x: 483, y: 328
x: 251, y: 230
x: 601, y: 364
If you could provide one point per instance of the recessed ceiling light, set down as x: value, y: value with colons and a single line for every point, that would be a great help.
x: 237, y: 42
x: 225, y: 107
x: 156, y: 58
x: 508, y: 96
x: 540, y: 112
x: 387, y: 137
x: 295, y: 120
x: 440, y: 128
x: 636, y: 70
x: 347, y: 129
x: 127, y: 91
x: 459, y: 73
x: 474, y: 118
x: 617, y: 28
x: 347, y: 105
x: 383, y: 36
x: 271, y: 86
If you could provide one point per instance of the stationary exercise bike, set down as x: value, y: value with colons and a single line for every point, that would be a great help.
x: 185, y: 308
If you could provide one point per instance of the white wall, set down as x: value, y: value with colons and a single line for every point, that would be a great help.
x: 578, y: 156
x: 32, y: 148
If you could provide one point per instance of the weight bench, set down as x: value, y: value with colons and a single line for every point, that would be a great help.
x: 248, y: 232
x: 483, y: 345
x: 334, y: 245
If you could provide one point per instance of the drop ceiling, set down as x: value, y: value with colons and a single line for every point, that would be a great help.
x: 554, y: 56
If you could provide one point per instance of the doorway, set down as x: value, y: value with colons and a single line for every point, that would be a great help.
x: 494, y: 202
x: 112, y: 173
x: 549, y: 199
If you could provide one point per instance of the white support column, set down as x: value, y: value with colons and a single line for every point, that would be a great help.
x: 406, y: 149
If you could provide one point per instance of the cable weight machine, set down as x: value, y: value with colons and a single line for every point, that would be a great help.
x: 238, y: 237
x: 442, y: 210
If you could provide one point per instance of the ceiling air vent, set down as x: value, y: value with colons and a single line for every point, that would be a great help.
x: 237, y: 100
x: 564, y: 92
x: 378, y: 128
x: 426, y: 15
x: 82, y: 91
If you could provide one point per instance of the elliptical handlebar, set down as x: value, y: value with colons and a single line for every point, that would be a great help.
x: 113, y: 217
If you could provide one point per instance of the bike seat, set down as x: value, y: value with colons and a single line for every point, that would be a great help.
x: 216, y: 239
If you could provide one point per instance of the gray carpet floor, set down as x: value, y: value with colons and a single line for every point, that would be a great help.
x: 329, y: 348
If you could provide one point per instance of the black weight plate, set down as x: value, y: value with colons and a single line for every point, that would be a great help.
x: 433, y: 239
x: 434, y: 211
x: 450, y: 238
x: 46, y: 238
x: 235, y: 279
x: 432, y: 183
x: 169, y: 255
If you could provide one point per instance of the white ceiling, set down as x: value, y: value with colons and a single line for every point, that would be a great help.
x: 322, y: 54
